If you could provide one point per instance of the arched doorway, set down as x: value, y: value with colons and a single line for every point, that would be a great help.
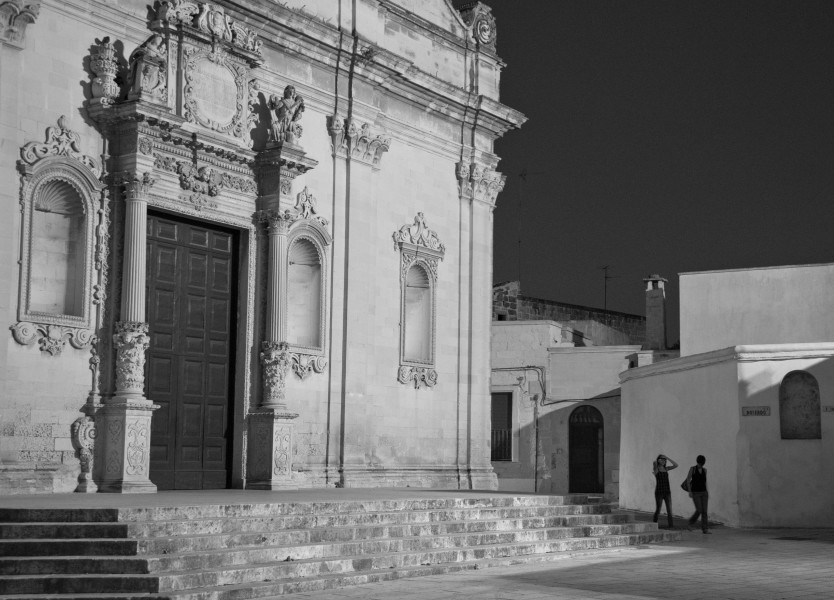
x: 585, y: 451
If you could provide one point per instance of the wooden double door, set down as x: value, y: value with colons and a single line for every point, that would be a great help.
x: 191, y: 293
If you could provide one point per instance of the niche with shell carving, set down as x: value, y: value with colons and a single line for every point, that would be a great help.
x: 60, y: 199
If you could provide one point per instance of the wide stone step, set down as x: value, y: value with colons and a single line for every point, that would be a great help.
x: 193, y: 543
x: 9, y: 531
x: 316, y: 567
x: 58, y: 515
x: 58, y: 547
x: 74, y: 584
x: 48, y: 565
x: 196, y: 525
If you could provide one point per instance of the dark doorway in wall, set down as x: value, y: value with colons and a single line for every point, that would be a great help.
x: 191, y: 292
x: 585, y: 451
x: 502, y: 426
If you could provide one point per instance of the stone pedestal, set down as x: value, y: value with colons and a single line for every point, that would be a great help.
x: 126, y: 429
x: 271, y: 434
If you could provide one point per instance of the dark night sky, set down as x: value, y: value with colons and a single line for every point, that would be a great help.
x: 663, y: 137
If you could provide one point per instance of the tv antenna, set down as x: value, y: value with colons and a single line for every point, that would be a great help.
x: 605, y: 278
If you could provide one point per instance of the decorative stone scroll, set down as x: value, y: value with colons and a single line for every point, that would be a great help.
x: 356, y: 142
x: 83, y: 436
x: 131, y: 341
x: 478, y: 16
x: 15, y: 16
x: 305, y: 206
x: 209, y: 19
x: 304, y: 365
x: 52, y: 338
x: 476, y: 182
x: 420, y: 248
x: 60, y: 141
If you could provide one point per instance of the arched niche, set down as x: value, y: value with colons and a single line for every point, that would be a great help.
x: 799, y: 407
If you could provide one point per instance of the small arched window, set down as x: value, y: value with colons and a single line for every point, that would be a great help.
x: 420, y: 252
x: 304, y: 287
x: 799, y: 407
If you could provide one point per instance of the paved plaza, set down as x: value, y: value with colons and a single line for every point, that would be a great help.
x: 730, y: 564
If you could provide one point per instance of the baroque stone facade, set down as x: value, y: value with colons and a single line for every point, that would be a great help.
x: 201, y: 258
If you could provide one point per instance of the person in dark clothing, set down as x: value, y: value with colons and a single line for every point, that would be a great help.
x: 662, y: 491
x: 697, y: 484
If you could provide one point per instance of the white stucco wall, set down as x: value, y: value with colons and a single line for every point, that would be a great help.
x: 681, y: 408
x: 771, y: 305
x: 695, y: 405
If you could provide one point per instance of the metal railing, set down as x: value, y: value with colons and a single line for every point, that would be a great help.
x: 502, y: 444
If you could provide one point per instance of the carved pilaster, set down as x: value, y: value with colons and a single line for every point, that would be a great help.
x: 356, y: 141
x: 15, y: 16
x: 124, y: 430
x: 84, y: 441
x: 276, y: 168
x: 271, y: 445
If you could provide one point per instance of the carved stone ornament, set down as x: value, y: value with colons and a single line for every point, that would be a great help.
x: 103, y: 64
x: 305, y: 206
x: 216, y: 93
x: 418, y: 234
x: 203, y: 180
x: 211, y: 20
x: 275, y: 358
x: 149, y: 71
x: 138, y: 446
x: 276, y: 220
x: 285, y: 113
x: 476, y: 182
x: 51, y: 338
x: 60, y: 141
x: 15, y: 16
x: 83, y: 436
x: 136, y: 186
x: 422, y: 377
x: 359, y: 143
x: 131, y: 341
x: 478, y: 16
x: 304, y: 365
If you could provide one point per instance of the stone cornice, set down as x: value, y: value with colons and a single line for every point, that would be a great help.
x: 737, y: 354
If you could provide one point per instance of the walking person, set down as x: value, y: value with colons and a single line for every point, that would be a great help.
x: 697, y: 484
x: 662, y: 491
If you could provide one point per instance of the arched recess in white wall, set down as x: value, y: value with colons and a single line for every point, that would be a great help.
x: 61, y: 245
x: 799, y: 407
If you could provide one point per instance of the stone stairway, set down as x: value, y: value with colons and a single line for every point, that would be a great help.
x: 261, y: 550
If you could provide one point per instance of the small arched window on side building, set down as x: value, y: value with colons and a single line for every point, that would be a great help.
x: 60, y: 205
x: 799, y: 407
x: 420, y: 253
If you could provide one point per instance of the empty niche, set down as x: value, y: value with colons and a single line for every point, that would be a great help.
x: 418, y: 316
x: 304, y: 295
x: 56, y: 278
x: 799, y: 407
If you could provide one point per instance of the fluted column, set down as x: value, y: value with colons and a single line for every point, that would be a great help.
x: 127, y: 415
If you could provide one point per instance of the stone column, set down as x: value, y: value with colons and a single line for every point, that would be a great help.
x: 126, y: 417
x: 271, y: 425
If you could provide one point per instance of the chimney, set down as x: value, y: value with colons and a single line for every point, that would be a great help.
x: 655, y: 312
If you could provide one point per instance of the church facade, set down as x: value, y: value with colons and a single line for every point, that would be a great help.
x: 247, y: 245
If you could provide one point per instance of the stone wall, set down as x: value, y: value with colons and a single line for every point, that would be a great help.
x: 509, y: 304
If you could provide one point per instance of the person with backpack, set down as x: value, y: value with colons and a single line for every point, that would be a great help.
x: 662, y: 491
x: 696, y: 482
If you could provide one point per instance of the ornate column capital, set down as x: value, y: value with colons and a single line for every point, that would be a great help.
x: 479, y: 183
x: 277, y: 221
x: 276, y: 361
x: 137, y: 186
x: 131, y: 341
x: 356, y: 141
x: 15, y: 16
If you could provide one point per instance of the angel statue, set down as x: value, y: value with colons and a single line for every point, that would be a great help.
x: 285, y: 114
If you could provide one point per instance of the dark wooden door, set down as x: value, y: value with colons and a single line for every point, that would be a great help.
x: 191, y: 295
x: 585, y: 451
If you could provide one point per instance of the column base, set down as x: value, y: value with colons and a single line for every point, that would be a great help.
x: 270, y: 450
x: 124, y: 458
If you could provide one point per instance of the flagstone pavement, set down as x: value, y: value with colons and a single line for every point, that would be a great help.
x: 729, y: 564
